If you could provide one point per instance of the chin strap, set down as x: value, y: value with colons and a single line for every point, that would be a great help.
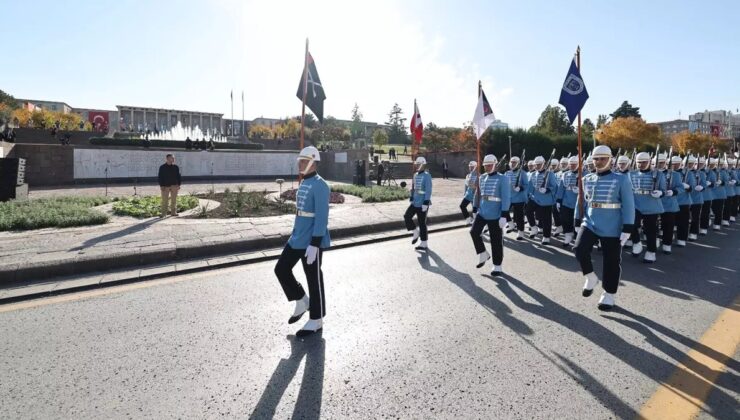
x: 308, y: 167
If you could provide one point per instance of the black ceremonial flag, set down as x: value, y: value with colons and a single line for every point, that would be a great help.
x: 315, y: 94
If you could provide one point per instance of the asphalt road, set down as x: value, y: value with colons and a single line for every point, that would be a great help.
x: 407, y: 335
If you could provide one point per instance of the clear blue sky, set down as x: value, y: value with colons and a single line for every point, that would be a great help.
x: 663, y: 56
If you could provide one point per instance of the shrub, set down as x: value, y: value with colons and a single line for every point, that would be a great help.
x: 373, y: 194
x: 52, y: 212
x: 334, y: 197
x: 150, y: 206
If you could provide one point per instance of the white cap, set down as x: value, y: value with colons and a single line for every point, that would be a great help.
x: 514, y: 159
x: 489, y: 160
x: 691, y: 159
x: 554, y: 162
x: 589, y: 160
x: 539, y: 160
x: 573, y: 160
x: 702, y: 159
x: 563, y: 160
x: 712, y: 161
x: 473, y: 163
x: 643, y: 157
x: 310, y: 153
x: 662, y: 157
x: 420, y: 161
x: 602, y: 151
x: 623, y: 159
x: 676, y: 159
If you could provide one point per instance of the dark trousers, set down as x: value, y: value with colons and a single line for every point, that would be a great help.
x: 667, y: 223
x: 529, y: 212
x: 314, y: 277
x: 380, y: 178
x: 518, y: 209
x: 649, y: 226
x: 717, y: 206
x: 566, y: 217
x: 612, y: 252
x: 556, y: 216
x: 497, y: 239
x: 464, y: 208
x: 421, y: 216
x: 682, y: 222
x: 727, y: 208
x: 444, y: 174
x: 695, y: 211
x: 544, y: 216
x: 705, y: 209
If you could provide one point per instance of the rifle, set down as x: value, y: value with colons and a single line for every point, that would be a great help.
x: 521, y: 164
x: 547, y: 170
x: 685, y: 167
x: 634, y: 159
x: 498, y: 164
x: 655, y: 170
x: 669, y: 167
x: 614, y: 164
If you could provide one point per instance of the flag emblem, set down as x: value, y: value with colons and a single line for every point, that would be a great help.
x: 573, y: 85
x: 574, y: 94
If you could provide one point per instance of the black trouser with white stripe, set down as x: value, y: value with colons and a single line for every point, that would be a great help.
x: 518, y: 209
x: 667, y: 223
x: 497, y: 238
x: 717, y: 207
x: 421, y: 216
x: 529, y: 212
x: 566, y: 217
x: 705, y: 209
x: 727, y: 211
x: 556, y: 216
x: 544, y: 216
x: 612, y: 251
x: 649, y: 227
x: 314, y: 276
x: 464, y: 208
x: 682, y: 222
x: 695, y: 211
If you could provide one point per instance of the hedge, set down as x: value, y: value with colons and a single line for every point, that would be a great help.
x: 179, y: 144
x: 51, y: 213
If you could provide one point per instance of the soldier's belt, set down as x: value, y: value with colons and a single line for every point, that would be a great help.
x: 490, y: 198
x: 419, y: 192
x: 605, y: 205
x: 304, y: 213
x: 643, y: 192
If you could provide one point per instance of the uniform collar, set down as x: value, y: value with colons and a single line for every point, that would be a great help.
x: 607, y: 172
x: 311, y: 175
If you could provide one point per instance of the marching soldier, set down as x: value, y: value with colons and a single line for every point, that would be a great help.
x: 492, y: 199
x: 471, y: 180
x: 648, y: 186
x: 697, y: 196
x: 669, y: 201
x: 718, y: 192
x: 519, y: 182
x: 683, y: 198
x: 729, y: 182
x: 567, y: 198
x: 708, y: 194
x: 557, y: 223
x: 735, y: 181
x: 542, y: 188
x: 307, y: 242
x: 608, y: 219
x: 529, y: 205
x: 421, y: 196
x: 623, y: 165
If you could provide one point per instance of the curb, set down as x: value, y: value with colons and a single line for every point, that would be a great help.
x: 83, y: 265
x: 272, y: 254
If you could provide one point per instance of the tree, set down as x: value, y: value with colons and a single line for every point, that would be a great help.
x: 697, y: 143
x: 290, y: 129
x: 553, y: 121
x: 587, y: 129
x: 601, y: 120
x: 259, y: 131
x: 380, y: 138
x: 630, y: 133
x: 397, y: 133
x: 625, y: 111
x: 8, y: 104
x: 357, y: 128
x: 435, y: 138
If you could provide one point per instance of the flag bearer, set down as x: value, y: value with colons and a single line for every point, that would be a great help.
x: 608, y: 219
x: 307, y: 242
x: 492, y: 199
x: 648, y: 186
x: 421, y: 199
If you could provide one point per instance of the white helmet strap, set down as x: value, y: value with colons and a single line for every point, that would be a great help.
x: 309, y: 165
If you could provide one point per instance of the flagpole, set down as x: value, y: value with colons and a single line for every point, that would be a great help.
x: 244, y: 130
x: 477, y: 142
x: 414, y: 148
x: 232, y: 112
x: 305, y: 92
x: 580, y: 144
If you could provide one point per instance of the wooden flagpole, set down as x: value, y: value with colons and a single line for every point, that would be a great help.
x: 414, y: 148
x: 580, y: 146
x: 477, y: 140
x: 303, y: 105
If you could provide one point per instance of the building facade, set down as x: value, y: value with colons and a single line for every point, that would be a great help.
x: 139, y: 119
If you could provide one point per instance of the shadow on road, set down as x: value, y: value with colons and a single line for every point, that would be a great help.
x: 468, y: 285
x: 648, y: 364
x: 115, y: 235
x: 308, y: 403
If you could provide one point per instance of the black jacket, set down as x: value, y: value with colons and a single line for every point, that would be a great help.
x: 169, y: 175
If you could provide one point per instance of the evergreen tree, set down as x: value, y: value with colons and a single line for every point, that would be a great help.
x: 397, y: 132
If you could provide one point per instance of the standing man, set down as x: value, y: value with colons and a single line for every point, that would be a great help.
x: 567, y: 199
x: 309, y: 239
x: 471, y: 183
x: 697, y: 197
x: 169, y: 183
x: 445, y: 168
x: 542, y: 187
x: 492, y: 199
x: 648, y: 186
x: 608, y: 218
x: 380, y: 172
x: 421, y: 199
x: 518, y: 181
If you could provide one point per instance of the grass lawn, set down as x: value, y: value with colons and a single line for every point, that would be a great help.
x: 373, y: 194
x: 52, y: 212
x: 150, y: 206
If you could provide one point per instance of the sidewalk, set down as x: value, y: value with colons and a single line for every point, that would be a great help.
x: 127, y: 242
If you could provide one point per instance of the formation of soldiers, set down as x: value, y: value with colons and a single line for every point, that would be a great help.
x: 639, y: 203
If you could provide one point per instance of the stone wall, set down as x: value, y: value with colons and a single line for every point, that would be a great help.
x: 46, y: 164
x: 456, y: 161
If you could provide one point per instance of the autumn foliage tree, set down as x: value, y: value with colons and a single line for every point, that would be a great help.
x: 696, y: 143
x: 630, y: 133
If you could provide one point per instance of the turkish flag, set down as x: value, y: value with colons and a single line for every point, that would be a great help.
x: 417, y: 127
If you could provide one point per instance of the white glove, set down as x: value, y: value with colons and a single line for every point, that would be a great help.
x: 656, y: 194
x: 574, y: 189
x: 709, y: 184
x: 623, y: 238
x: 542, y: 190
x: 733, y: 182
x: 517, y: 189
x: 502, y: 222
x: 424, y: 208
x: 686, y: 186
x: 698, y: 188
x: 718, y: 182
x: 311, y: 253
x: 557, y: 205
x: 669, y: 193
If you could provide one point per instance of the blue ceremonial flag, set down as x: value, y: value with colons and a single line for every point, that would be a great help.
x: 574, y: 94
